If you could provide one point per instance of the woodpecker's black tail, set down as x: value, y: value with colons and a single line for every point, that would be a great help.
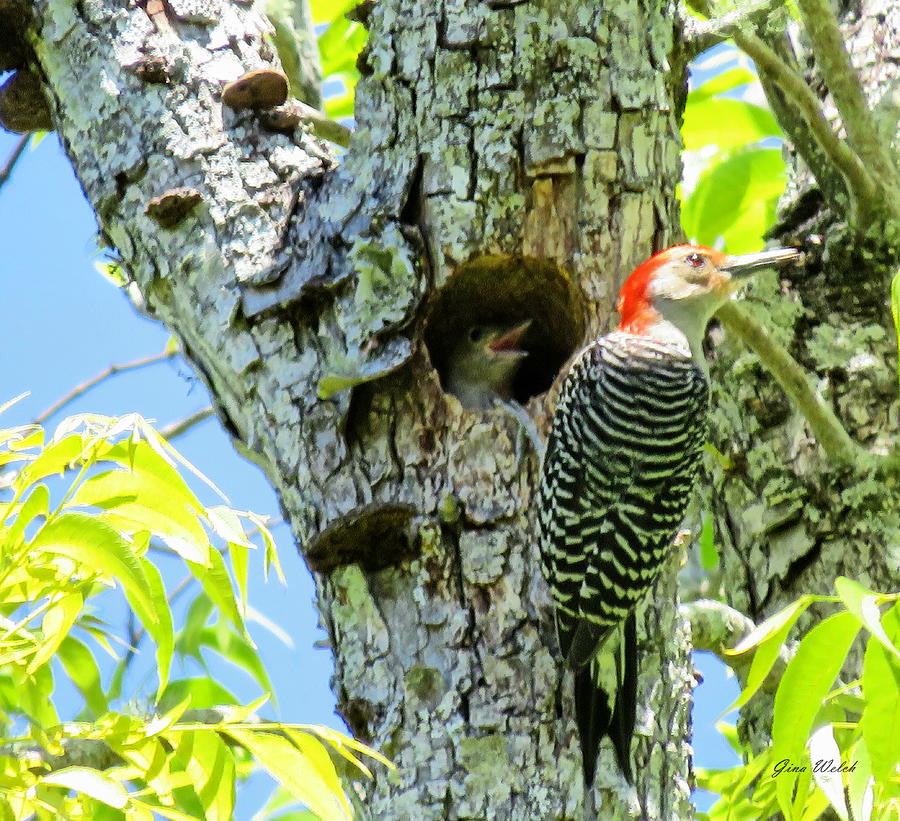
x: 605, y: 702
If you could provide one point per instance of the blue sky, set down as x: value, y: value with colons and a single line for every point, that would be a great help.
x: 63, y: 323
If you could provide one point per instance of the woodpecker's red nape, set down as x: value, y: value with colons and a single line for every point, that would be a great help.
x: 637, y: 312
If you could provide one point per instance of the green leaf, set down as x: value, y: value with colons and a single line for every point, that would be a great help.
x: 203, y: 693
x: 709, y: 556
x: 310, y: 776
x: 323, y: 11
x: 194, y: 623
x: 340, y: 740
x: 730, y: 734
x: 35, y: 700
x: 90, y: 782
x: 211, y: 768
x: 238, y: 650
x: 170, y: 812
x: 767, y: 650
x: 727, y: 123
x: 217, y: 584
x: 863, y: 603
x: 55, y: 459
x: 139, y: 501
x: 58, y: 620
x: 82, y: 669
x: 806, y: 682
x: 163, y: 722
x: 339, y: 44
x: 880, y: 720
x: 772, y: 625
x: 96, y: 545
x: 727, y: 80
x: 161, y: 628
x: 859, y: 783
x: 37, y: 504
x: 340, y: 106
x: 735, y: 199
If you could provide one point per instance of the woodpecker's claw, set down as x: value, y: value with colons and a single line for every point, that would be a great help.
x: 509, y: 342
x: 742, y: 264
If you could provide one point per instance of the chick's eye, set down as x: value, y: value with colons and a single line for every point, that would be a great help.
x: 475, y: 334
x: 695, y: 260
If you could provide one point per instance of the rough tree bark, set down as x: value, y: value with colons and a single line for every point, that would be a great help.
x: 788, y: 521
x: 511, y: 160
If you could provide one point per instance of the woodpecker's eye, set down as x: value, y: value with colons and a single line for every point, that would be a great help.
x: 476, y: 333
x: 695, y: 260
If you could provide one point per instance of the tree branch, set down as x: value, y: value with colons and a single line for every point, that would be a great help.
x: 112, y: 370
x: 323, y: 126
x: 6, y: 171
x: 830, y: 434
x: 700, y: 35
x: 843, y: 83
x: 716, y: 627
x: 182, y: 426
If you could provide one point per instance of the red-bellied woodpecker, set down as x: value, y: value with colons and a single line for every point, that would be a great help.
x: 620, y: 463
x: 483, y: 364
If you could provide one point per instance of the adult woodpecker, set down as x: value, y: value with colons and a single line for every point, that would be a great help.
x: 483, y: 364
x: 620, y: 463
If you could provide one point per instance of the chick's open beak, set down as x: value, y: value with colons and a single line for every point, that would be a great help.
x: 508, y: 343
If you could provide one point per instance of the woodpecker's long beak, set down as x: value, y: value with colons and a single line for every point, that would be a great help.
x: 508, y: 343
x: 741, y: 265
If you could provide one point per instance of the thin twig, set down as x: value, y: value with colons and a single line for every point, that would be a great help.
x: 826, y: 427
x: 324, y: 126
x: 701, y: 35
x: 843, y: 83
x: 7, y: 169
x: 289, y: 113
x: 182, y: 426
x: 716, y: 627
x: 112, y: 370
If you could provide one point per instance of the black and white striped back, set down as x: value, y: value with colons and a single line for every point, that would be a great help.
x: 620, y: 463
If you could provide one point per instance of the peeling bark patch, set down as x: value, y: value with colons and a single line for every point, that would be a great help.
x: 374, y: 536
x: 172, y: 207
x: 263, y: 88
x: 508, y: 290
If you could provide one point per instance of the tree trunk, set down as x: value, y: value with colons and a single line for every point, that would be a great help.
x: 788, y: 522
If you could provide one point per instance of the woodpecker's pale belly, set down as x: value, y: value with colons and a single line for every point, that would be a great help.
x: 621, y: 460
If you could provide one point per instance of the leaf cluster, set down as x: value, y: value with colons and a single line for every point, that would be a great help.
x: 79, y: 517
x: 339, y: 46
x: 832, y: 746
x: 741, y: 174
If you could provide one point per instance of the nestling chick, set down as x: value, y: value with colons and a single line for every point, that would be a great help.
x: 483, y: 364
